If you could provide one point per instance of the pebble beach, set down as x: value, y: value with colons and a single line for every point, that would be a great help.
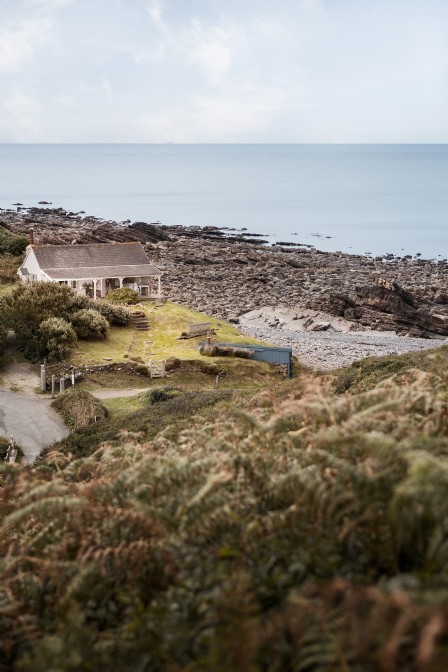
x: 334, y: 348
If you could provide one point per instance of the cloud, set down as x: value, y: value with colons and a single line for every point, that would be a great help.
x: 49, y: 4
x: 19, y: 118
x: 211, y: 48
x: 65, y: 101
x: 18, y: 46
x: 227, y: 117
x: 155, y: 10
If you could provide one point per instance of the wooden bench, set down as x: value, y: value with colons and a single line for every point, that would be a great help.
x: 199, y: 329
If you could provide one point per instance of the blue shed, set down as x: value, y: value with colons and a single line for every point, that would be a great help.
x: 267, y: 353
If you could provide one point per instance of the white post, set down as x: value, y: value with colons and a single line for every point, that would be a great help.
x: 61, y: 384
x: 159, y: 287
x: 43, y: 378
x: 53, y: 384
x: 73, y: 378
x: 94, y: 289
x: 121, y: 282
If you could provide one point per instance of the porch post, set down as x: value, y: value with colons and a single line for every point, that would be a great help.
x: 159, y: 286
x: 121, y: 282
x: 94, y: 289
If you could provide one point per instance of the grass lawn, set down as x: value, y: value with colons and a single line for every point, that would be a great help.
x: 121, y: 407
x: 166, y: 322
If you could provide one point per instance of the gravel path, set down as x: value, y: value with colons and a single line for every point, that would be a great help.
x: 332, y: 349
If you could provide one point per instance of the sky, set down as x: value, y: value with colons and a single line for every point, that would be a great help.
x: 218, y: 71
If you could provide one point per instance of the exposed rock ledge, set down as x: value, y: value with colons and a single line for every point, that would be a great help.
x: 227, y: 275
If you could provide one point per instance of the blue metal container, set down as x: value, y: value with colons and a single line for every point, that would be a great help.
x: 266, y: 353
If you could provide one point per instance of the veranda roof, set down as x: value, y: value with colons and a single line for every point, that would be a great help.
x: 88, y: 272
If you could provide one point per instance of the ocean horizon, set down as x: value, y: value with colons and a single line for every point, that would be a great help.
x: 363, y: 199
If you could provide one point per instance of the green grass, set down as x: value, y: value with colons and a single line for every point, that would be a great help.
x: 6, y: 288
x: 120, y: 407
x: 166, y: 322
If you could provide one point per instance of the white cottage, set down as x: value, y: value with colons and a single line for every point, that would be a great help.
x: 93, y: 270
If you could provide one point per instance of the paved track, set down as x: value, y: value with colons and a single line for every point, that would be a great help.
x: 31, y: 421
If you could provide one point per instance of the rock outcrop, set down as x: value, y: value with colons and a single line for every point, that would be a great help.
x: 225, y: 273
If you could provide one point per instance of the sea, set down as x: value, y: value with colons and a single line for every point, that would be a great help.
x: 363, y: 199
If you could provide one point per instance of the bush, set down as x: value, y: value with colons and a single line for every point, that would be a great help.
x: 159, y: 394
x: 124, y: 295
x: 212, y: 368
x: 172, y: 363
x: 216, y: 350
x: 8, y: 268
x: 57, y: 336
x: 142, y: 369
x: 115, y: 315
x: 89, y: 323
x: 12, y: 244
x: 30, y: 304
x: 79, y: 408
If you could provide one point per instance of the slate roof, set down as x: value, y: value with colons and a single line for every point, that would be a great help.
x: 88, y: 272
x: 100, y: 260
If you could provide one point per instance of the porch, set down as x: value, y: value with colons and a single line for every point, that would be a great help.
x: 147, y: 287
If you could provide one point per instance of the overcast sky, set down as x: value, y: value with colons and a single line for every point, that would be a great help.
x: 224, y: 70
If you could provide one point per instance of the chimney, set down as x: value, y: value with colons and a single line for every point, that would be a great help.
x: 31, y: 236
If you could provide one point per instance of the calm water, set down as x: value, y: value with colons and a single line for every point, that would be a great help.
x: 358, y: 198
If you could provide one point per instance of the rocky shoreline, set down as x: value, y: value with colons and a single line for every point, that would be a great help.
x: 226, y: 274
x: 323, y: 342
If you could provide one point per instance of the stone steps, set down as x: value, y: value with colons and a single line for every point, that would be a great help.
x: 139, y: 321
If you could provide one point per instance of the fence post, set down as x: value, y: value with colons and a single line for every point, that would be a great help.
x: 53, y: 385
x: 61, y: 384
x: 43, y: 378
x: 73, y: 378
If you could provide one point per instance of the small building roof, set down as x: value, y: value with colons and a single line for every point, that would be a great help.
x: 99, y: 260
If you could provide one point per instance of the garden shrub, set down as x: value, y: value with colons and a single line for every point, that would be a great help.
x: 57, y: 336
x: 117, y: 316
x: 124, y: 295
x: 30, y: 304
x: 89, y: 323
